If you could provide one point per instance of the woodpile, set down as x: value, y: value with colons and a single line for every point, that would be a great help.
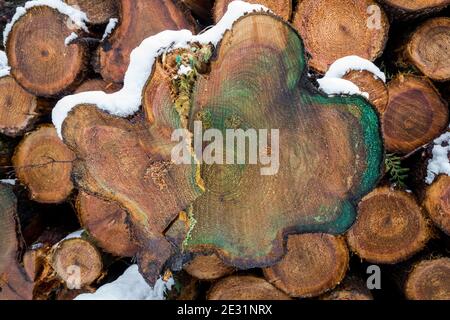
x: 103, y: 179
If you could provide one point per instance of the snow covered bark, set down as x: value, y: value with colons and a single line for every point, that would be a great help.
x: 98, y: 11
x: 139, y: 19
x: 282, y: 8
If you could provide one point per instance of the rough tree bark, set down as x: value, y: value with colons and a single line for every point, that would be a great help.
x: 245, y: 288
x: 98, y: 11
x: 391, y: 227
x: 332, y: 29
x: 415, y: 115
x: 437, y: 203
x: 427, y: 49
x: 429, y: 280
x: 43, y: 164
x: 14, y: 281
x: 107, y: 223
x: 39, y: 59
x: 139, y: 19
x: 19, y: 109
x: 314, y: 264
x: 282, y: 8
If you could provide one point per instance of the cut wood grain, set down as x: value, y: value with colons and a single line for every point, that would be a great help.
x: 332, y: 29
x: 391, y: 227
x: 415, y: 115
x: 245, y: 288
x: 139, y: 19
x: 313, y: 264
x: 40, y: 60
x: 43, y: 163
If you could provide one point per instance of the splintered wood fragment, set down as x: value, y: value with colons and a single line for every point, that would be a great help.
x: 98, y: 85
x: 124, y: 161
x: 415, y: 115
x: 106, y: 223
x: 245, y: 288
x: 14, y: 282
x: 391, y: 227
x: 329, y: 154
x: 314, y: 264
x: 139, y: 19
x: 77, y: 262
x: 437, y: 203
x: 98, y: 11
x: 40, y: 60
x: 208, y: 267
x: 429, y: 280
x: 427, y: 49
x: 18, y: 108
x: 352, y: 288
x: 282, y: 8
x: 411, y: 9
x: 43, y: 163
x: 332, y: 29
x: 375, y: 87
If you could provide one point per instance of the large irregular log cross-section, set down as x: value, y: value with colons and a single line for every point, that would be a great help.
x: 139, y: 19
x: 330, y: 153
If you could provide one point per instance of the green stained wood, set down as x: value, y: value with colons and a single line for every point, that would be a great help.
x: 330, y: 148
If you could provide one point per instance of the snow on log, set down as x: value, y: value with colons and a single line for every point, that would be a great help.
x: 43, y: 164
x: 313, y: 264
x: 282, y: 8
x: 106, y: 223
x: 139, y: 19
x: 40, y: 60
x: 130, y: 286
x: 415, y: 115
x: 97, y: 11
x: 390, y: 228
x: 245, y: 288
x: 332, y: 29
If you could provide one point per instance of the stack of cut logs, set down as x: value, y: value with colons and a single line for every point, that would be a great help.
x: 402, y: 224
